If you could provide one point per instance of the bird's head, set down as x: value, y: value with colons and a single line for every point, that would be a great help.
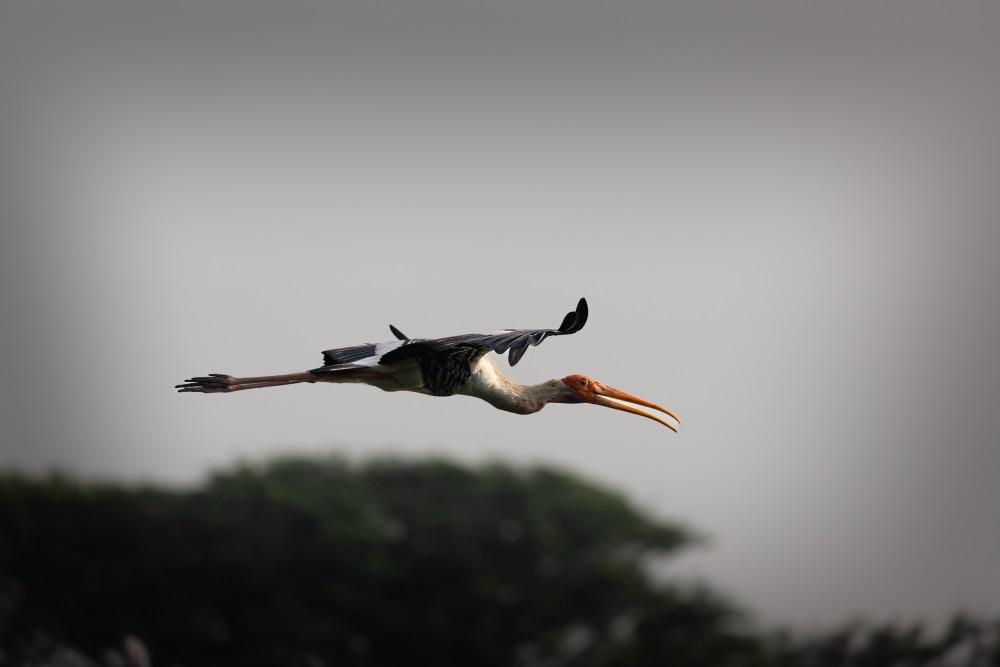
x: 581, y: 389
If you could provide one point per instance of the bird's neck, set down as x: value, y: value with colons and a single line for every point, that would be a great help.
x: 528, y: 398
x: 489, y: 384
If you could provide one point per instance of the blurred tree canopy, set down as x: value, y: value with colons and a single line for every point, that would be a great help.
x: 323, y: 562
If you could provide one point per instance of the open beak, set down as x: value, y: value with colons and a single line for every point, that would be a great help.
x: 609, y: 397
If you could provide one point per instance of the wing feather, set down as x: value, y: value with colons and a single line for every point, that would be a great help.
x: 513, y: 341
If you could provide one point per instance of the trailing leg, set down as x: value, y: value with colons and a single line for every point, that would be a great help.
x: 217, y: 383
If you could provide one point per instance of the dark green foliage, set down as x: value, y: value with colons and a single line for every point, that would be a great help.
x: 965, y: 641
x: 371, y: 564
x: 321, y: 562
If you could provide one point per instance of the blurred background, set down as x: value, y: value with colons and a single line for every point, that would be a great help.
x: 783, y: 216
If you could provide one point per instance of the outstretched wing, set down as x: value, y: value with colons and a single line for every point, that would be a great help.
x: 467, y: 346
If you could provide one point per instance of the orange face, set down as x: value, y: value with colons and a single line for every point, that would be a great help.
x: 590, y: 391
x: 582, y: 385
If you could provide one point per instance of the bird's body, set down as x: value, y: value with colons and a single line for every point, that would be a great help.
x: 457, y: 365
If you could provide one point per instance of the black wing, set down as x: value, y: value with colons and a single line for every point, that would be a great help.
x: 514, y: 341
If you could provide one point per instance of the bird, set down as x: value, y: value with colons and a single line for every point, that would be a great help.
x: 455, y: 365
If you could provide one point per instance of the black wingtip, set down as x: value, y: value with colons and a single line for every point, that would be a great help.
x: 397, y: 333
x: 575, y: 320
x: 582, y: 312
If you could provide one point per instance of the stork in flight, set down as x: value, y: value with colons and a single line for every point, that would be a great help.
x: 449, y: 366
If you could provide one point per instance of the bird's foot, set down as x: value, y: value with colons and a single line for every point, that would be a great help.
x: 213, y: 383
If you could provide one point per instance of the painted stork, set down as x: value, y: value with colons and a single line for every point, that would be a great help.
x: 449, y: 366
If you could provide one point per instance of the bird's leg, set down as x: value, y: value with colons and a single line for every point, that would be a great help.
x: 216, y: 383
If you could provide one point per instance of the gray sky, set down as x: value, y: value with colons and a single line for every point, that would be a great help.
x: 785, y: 220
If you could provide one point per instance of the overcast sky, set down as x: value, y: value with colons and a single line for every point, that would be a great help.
x: 784, y: 218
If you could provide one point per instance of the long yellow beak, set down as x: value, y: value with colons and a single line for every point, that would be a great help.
x: 603, y: 395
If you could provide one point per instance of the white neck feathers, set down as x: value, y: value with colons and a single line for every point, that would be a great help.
x: 489, y: 384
